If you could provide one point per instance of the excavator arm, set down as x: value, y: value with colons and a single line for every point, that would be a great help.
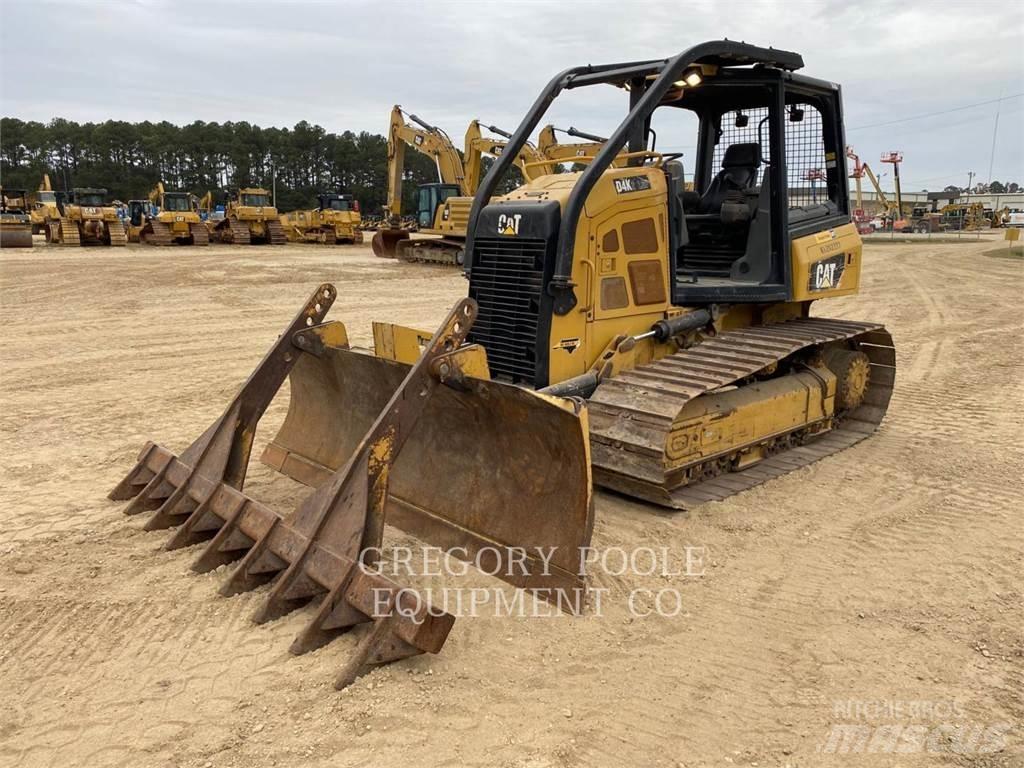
x: 156, y: 195
x: 477, y: 145
x: 425, y: 138
x: 549, y: 147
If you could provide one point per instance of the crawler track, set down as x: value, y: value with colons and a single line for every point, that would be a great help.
x: 632, y: 415
x: 276, y: 233
x: 158, y: 234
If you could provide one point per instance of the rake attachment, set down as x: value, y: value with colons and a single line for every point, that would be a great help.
x: 321, y: 549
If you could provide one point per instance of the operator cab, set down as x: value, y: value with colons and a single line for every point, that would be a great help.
x: 137, y: 211
x: 255, y: 199
x: 89, y: 197
x: 177, y: 202
x: 769, y: 145
x: 429, y: 198
x: 334, y: 202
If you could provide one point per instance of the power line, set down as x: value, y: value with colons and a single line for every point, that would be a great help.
x: 936, y: 114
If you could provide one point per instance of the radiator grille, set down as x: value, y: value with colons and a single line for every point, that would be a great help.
x: 507, y: 281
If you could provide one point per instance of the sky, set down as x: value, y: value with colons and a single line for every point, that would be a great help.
x: 929, y: 79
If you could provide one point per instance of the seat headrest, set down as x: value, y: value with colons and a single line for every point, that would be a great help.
x: 742, y: 156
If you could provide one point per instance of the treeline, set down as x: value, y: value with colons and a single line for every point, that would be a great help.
x: 129, y: 158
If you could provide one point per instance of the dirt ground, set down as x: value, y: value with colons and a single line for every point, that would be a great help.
x: 880, y: 587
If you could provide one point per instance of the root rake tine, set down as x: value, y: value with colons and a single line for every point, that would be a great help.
x: 165, y: 514
x: 126, y: 489
x: 280, y: 602
x: 184, y: 536
x: 142, y: 500
x: 317, y: 633
x: 242, y: 580
x: 213, y: 556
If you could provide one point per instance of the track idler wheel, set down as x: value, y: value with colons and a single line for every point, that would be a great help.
x: 853, y: 371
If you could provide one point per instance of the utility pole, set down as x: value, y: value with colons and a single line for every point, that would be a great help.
x: 273, y: 183
x: 970, y: 180
x: 995, y: 132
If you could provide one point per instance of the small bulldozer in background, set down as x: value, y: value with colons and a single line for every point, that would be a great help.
x: 175, y: 220
x: 84, y: 218
x: 250, y: 219
x: 335, y: 220
x: 623, y: 328
x: 15, y: 220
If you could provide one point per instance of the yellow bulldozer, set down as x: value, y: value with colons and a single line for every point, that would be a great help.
x: 336, y: 219
x: 15, y: 220
x: 83, y: 217
x: 619, y: 330
x: 250, y: 219
x: 166, y: 218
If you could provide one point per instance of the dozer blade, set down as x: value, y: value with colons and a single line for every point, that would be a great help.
x: 17, y: 236
x: 489, y: 467
x: 385, y: 242
x: 320, y: 550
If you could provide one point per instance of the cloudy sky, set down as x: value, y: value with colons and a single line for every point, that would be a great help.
x: 924, y: 78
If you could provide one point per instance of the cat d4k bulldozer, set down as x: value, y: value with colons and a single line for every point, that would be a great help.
x: 619, y: 329
x: 250, y: 219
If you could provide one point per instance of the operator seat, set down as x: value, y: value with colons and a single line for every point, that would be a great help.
x: 740, y: 166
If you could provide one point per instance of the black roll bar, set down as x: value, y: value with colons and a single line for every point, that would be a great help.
x: 668, y: 71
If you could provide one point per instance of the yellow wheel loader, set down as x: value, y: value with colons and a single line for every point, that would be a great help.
x: 335, y: 220
x: 84, y: 218
x: 619, y: 329
x: 15, y: 221
x: 250, y: 219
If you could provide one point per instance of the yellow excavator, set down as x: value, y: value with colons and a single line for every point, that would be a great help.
x: 84, y: 217
x: 619, y: 330
x: 336, y: 219
x: 175, y: 221
x: 250, y: 219
x: 44, y: 206
x: 550, y: 148
x: 15, y: 220
x: 530, y: 162
x: 442, y: 207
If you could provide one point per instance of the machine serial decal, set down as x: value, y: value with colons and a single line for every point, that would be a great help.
x: 826, y: 274
x: 632, y: 184
x: 508, y: 223
x: 569, y: 345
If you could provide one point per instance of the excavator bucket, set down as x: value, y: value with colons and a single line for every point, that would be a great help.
x: 385, y: 242
x: 382, y: 442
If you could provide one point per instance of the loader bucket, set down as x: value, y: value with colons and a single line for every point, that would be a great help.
x: 320, y: 550
x: 487, y: 468
x: 385, y: 242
